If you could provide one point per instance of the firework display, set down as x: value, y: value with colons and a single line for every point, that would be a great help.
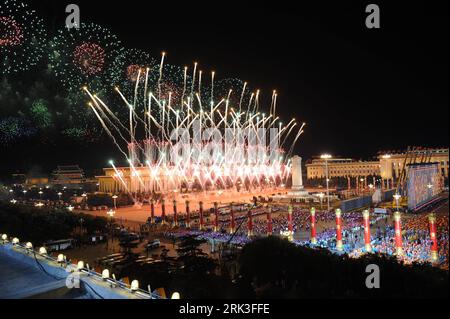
x: 130, y: 66
x: 237, y: 92
x: 40, y: 114
x: 225, y: 147
x: 172, y: 86
x: 13, y: 128
x: 22, y: 37
x: 84, y: 56
x: 153, y: 97
x: 89, y: 58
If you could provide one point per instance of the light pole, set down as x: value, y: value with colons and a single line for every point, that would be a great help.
x: 321, y: 196
x: 115, y: 201
x: 111, y: 214
x: 84, y: 195
x: 430, y: 188
x: 59, y: 196
x: 397, y: 198
x: 326, y: 157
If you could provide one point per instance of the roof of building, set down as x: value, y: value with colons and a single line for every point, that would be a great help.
x: 68, y: 168
x: 27, y: 274
x: 21, y: 280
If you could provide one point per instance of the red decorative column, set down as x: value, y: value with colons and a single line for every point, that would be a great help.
x: 232, y: 225
x: 349, y: 187
x: 152, y: 211
x: 313, y: 226
x: 175, y: 214
x: 216, y: 217
x: 163, y: 211
x: 269, y: 222
x: 398, y: 233
x: 433, y: 237
x: 250, y: 223
x: 290, y: 223
x: 188, y: 215
x: 202, y: 225
x: 339, y: 244
x: 367, y: 240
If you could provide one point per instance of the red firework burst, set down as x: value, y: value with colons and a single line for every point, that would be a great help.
x: 89, y: 58
x: 170, y: 89
x: 133, y: 72
x: 11, y: 34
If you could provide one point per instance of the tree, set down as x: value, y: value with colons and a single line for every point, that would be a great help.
x: 274, y: 267
x: 193, y: 259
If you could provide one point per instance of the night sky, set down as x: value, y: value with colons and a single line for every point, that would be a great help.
x: 359, y: 90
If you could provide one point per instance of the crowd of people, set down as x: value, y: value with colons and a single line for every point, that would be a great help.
x: 416, y: 237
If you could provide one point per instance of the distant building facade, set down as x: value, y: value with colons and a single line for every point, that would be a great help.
x: 138, y: 180
x: 70, y: 176
x: 388, y: 166
x: 391, y: 163
x: 341, y: 167
x: 29, y: 181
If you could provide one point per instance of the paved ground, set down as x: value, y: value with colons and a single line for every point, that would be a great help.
x: 141, y: 214
x: 89, y: 254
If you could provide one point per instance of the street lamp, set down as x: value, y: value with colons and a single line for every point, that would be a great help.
x: 326, y: 157
x: 115, y: 201
x: 321, y: 196
x: 362, y: 185
x: 85, y: 197
x: 430, y: 188
x: 397, y: 198
x: 111, y: 213
x: 59, y: 195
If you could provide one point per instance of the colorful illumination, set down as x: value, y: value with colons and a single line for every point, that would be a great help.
x: 22, y: 37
